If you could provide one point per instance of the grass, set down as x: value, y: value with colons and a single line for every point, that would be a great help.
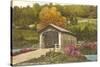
x: 24, y: 38
x: 88, y: 51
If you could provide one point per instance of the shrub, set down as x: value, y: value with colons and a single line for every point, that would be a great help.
x: 71, y: 50
x: 90, y: 45
x: 89, y: 48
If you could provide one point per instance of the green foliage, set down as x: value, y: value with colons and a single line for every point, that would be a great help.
x: 84, y: 31
x: 25, y: 15
x: 73, y: 20
x: 88, y: 48
x: 86, y: 51
x: 24, y: 38
x: 79, y: 10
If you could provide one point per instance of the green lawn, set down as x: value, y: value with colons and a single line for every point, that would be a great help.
x: 88, y: 51
x: 24, y: 38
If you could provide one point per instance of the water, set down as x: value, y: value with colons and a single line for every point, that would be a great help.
x: 91, y: 57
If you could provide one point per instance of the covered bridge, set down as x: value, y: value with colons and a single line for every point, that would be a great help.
x: 54, y: 36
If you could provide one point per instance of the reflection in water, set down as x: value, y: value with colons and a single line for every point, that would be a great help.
x: 91, y: 57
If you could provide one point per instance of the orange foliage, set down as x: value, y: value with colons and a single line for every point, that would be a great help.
x: 50, y: 15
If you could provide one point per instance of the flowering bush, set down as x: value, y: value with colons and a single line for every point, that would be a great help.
x: 88, y: 48
x: 90, y: 45
x: 72, y: 50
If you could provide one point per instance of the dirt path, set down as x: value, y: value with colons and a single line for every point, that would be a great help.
x: 29, y: 55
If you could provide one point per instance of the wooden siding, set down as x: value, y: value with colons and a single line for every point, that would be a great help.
x: 67, y: 39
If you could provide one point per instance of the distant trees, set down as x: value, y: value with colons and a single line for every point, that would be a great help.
x: 23, y: 16
x: 73, y: 20
x: 79, y: 10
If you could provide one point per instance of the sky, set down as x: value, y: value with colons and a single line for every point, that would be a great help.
x: 24, y: 3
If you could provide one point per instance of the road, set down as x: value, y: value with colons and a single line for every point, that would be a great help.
x: 28, y: 56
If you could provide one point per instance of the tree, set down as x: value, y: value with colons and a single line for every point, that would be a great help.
x: 84, y: 31
x: 50, y: 15
x: 93, y: 12
x: 73, y: 19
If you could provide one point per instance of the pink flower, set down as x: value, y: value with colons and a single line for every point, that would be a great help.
x: 91, y: 45
x: 71, y: 50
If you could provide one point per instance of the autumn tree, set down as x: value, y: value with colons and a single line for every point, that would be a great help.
x: 50, y: 15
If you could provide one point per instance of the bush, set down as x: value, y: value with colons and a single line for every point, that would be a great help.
x: 90, y: 45
x: 71, y: 50
x: 89, y: 48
